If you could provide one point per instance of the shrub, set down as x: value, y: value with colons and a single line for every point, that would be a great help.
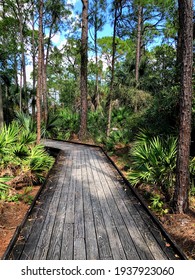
x: 21, y: 157
x: 68, y: 123
x: 154, y: 161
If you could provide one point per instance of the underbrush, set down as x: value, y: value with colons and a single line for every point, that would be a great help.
x: 149, y: 163
x: 22, y: 162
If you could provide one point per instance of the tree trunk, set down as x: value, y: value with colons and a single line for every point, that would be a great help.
x: 40, y: 72
x: 83, y: 78
x: 33, y: 62
x: 21, y: 90
x: 139, y: 40
x: 45, y: 94
x: 23, y: 59
x: 116, y: 16
x: 180, y: 199
x: 97, y: 98
x: 112, y: 80
x: 1, y: 108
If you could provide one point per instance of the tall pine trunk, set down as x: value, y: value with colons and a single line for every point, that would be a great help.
x: 185, y: 58
x: 40, y: 72
x: 139, y: 40
x: 23, y: 105
x: 33, y: 61
x: 1, y: 108
x: 97, y: 98
x: 117, y: 14
x: 112, y: 75
x: 83, y: 78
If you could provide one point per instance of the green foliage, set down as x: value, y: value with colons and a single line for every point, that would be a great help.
x: 26, y: 122
x: 116, y: 137
x: 26, y: 197
x: 192, y: 190
x: 49, y: 128
x: 192, y: 166
x: 4, y: 195
x: 153, y: 161
x: 7, y: 196
x: 19, y: 153
x: 3, y: 186
x: 192, y: 173
x: 8, y: 140
x: 97, y: 125
x: 157, y: 204
x: 38, y: 162
x: 68, y: 123
x: 161, y: 117
x: 4, y: 190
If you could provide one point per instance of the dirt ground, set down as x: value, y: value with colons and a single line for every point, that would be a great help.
x: 182, y: 230
x: 11, y: 216
x: 181, y: 227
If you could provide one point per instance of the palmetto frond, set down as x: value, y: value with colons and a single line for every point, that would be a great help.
x: 153, y: 161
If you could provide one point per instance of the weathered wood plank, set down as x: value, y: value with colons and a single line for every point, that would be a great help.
x: 71, y: 199
x: 54, y: 251
x: 141, y: 223
x: 102, y: 237
x: 139, y: 230
x: 115, y: 243
x: 90, y: 232
x: 67, y: 242
x: 119, y: 216
x: 79, y: 249
x: 46, y: 232
x: 155, y: 236
x: 36, y: 220
x: 78, y: 215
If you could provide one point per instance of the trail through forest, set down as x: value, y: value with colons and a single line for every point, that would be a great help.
x: 181, y: 227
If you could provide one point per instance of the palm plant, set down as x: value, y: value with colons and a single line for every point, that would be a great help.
x: 26, y: 121
x: 8, y: 140
x: 48, y: 128
x: 154, y: 162
x: 38, y: 162
x: 20, y: 156
x: 3, y: 186
x: 27, y: 137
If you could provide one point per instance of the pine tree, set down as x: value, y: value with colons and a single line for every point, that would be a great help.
x: 185, y: 58
x: 83, y: 78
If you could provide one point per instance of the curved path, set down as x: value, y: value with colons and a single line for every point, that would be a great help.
x: 84, y: 212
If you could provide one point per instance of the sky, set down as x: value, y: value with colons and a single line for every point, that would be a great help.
x: 60, y: 39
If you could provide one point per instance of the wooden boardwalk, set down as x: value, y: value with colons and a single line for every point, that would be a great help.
x: 84, y: 213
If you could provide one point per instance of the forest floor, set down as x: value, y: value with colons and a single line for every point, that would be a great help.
x: 180, y: 227
x: 11, y: 216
